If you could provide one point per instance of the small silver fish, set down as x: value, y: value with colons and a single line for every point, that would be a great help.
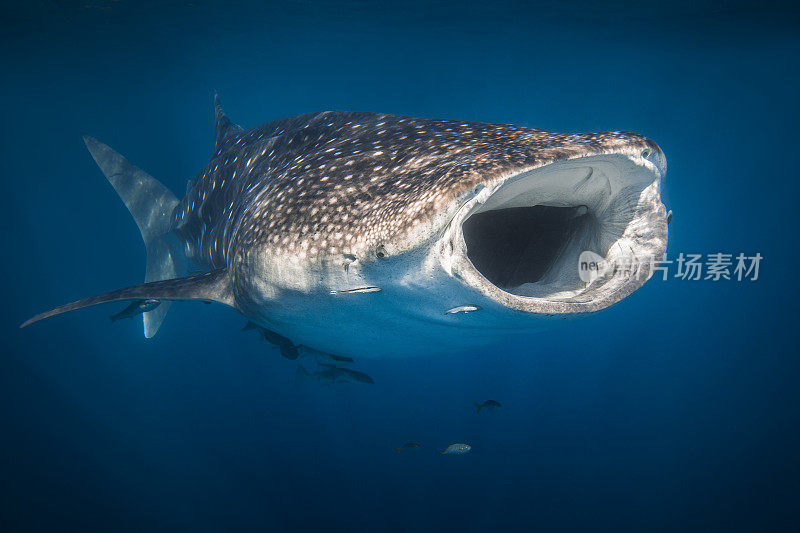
x: 457, y: 448
x: 463, y: 309
x: 356, y: 290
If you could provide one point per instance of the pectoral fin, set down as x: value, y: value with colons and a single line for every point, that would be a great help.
x: 209, y: 287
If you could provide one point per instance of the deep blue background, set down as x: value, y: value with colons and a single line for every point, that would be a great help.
x: 677, y: 409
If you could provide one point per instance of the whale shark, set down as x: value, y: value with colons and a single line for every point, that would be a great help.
x: 360, y: 233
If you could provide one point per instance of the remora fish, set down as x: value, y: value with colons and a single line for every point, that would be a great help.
x: 409, y: 445
x: 331, y: 374
x: 284, y: 345
x: 135, y: 308
x: 323, y: 357
x: 429, y: 211
x: 488, y: 404
x: 463, y: 309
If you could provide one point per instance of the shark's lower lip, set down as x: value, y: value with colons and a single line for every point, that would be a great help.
x: 520, y: 242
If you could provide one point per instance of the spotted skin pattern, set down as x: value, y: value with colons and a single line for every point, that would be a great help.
x: 346, y: 183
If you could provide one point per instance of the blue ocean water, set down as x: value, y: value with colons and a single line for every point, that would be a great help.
x: 676, y: 410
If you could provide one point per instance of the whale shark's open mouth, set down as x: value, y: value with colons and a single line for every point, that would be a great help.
x: 519, y: 248
x: 524, y: 241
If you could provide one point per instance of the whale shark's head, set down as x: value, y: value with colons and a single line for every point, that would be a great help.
x: 453, y: 214
x: 573, y: 235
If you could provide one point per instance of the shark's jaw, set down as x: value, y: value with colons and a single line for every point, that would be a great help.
x: 521, y: 241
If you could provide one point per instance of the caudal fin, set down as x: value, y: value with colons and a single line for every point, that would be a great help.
x: 479, y: 408
x: 151, y: 205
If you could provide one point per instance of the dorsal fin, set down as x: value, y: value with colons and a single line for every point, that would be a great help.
x: 224, y: 127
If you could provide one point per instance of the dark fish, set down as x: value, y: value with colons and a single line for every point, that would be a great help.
x: 286, y: 347
x: 408, y: 445
x: 135, y: 308
x: 331, y: 374
x: 323, y: 357
x: 345, y: 375
x: 488, y: 404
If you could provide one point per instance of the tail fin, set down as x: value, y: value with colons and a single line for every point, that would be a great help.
x: 479, y: 408
x: 399, y: 450
x: 151, y: 205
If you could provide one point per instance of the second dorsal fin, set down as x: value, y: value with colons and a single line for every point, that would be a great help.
x: 224, y: 128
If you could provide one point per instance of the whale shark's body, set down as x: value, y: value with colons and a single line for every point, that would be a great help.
x: 360, y: 234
